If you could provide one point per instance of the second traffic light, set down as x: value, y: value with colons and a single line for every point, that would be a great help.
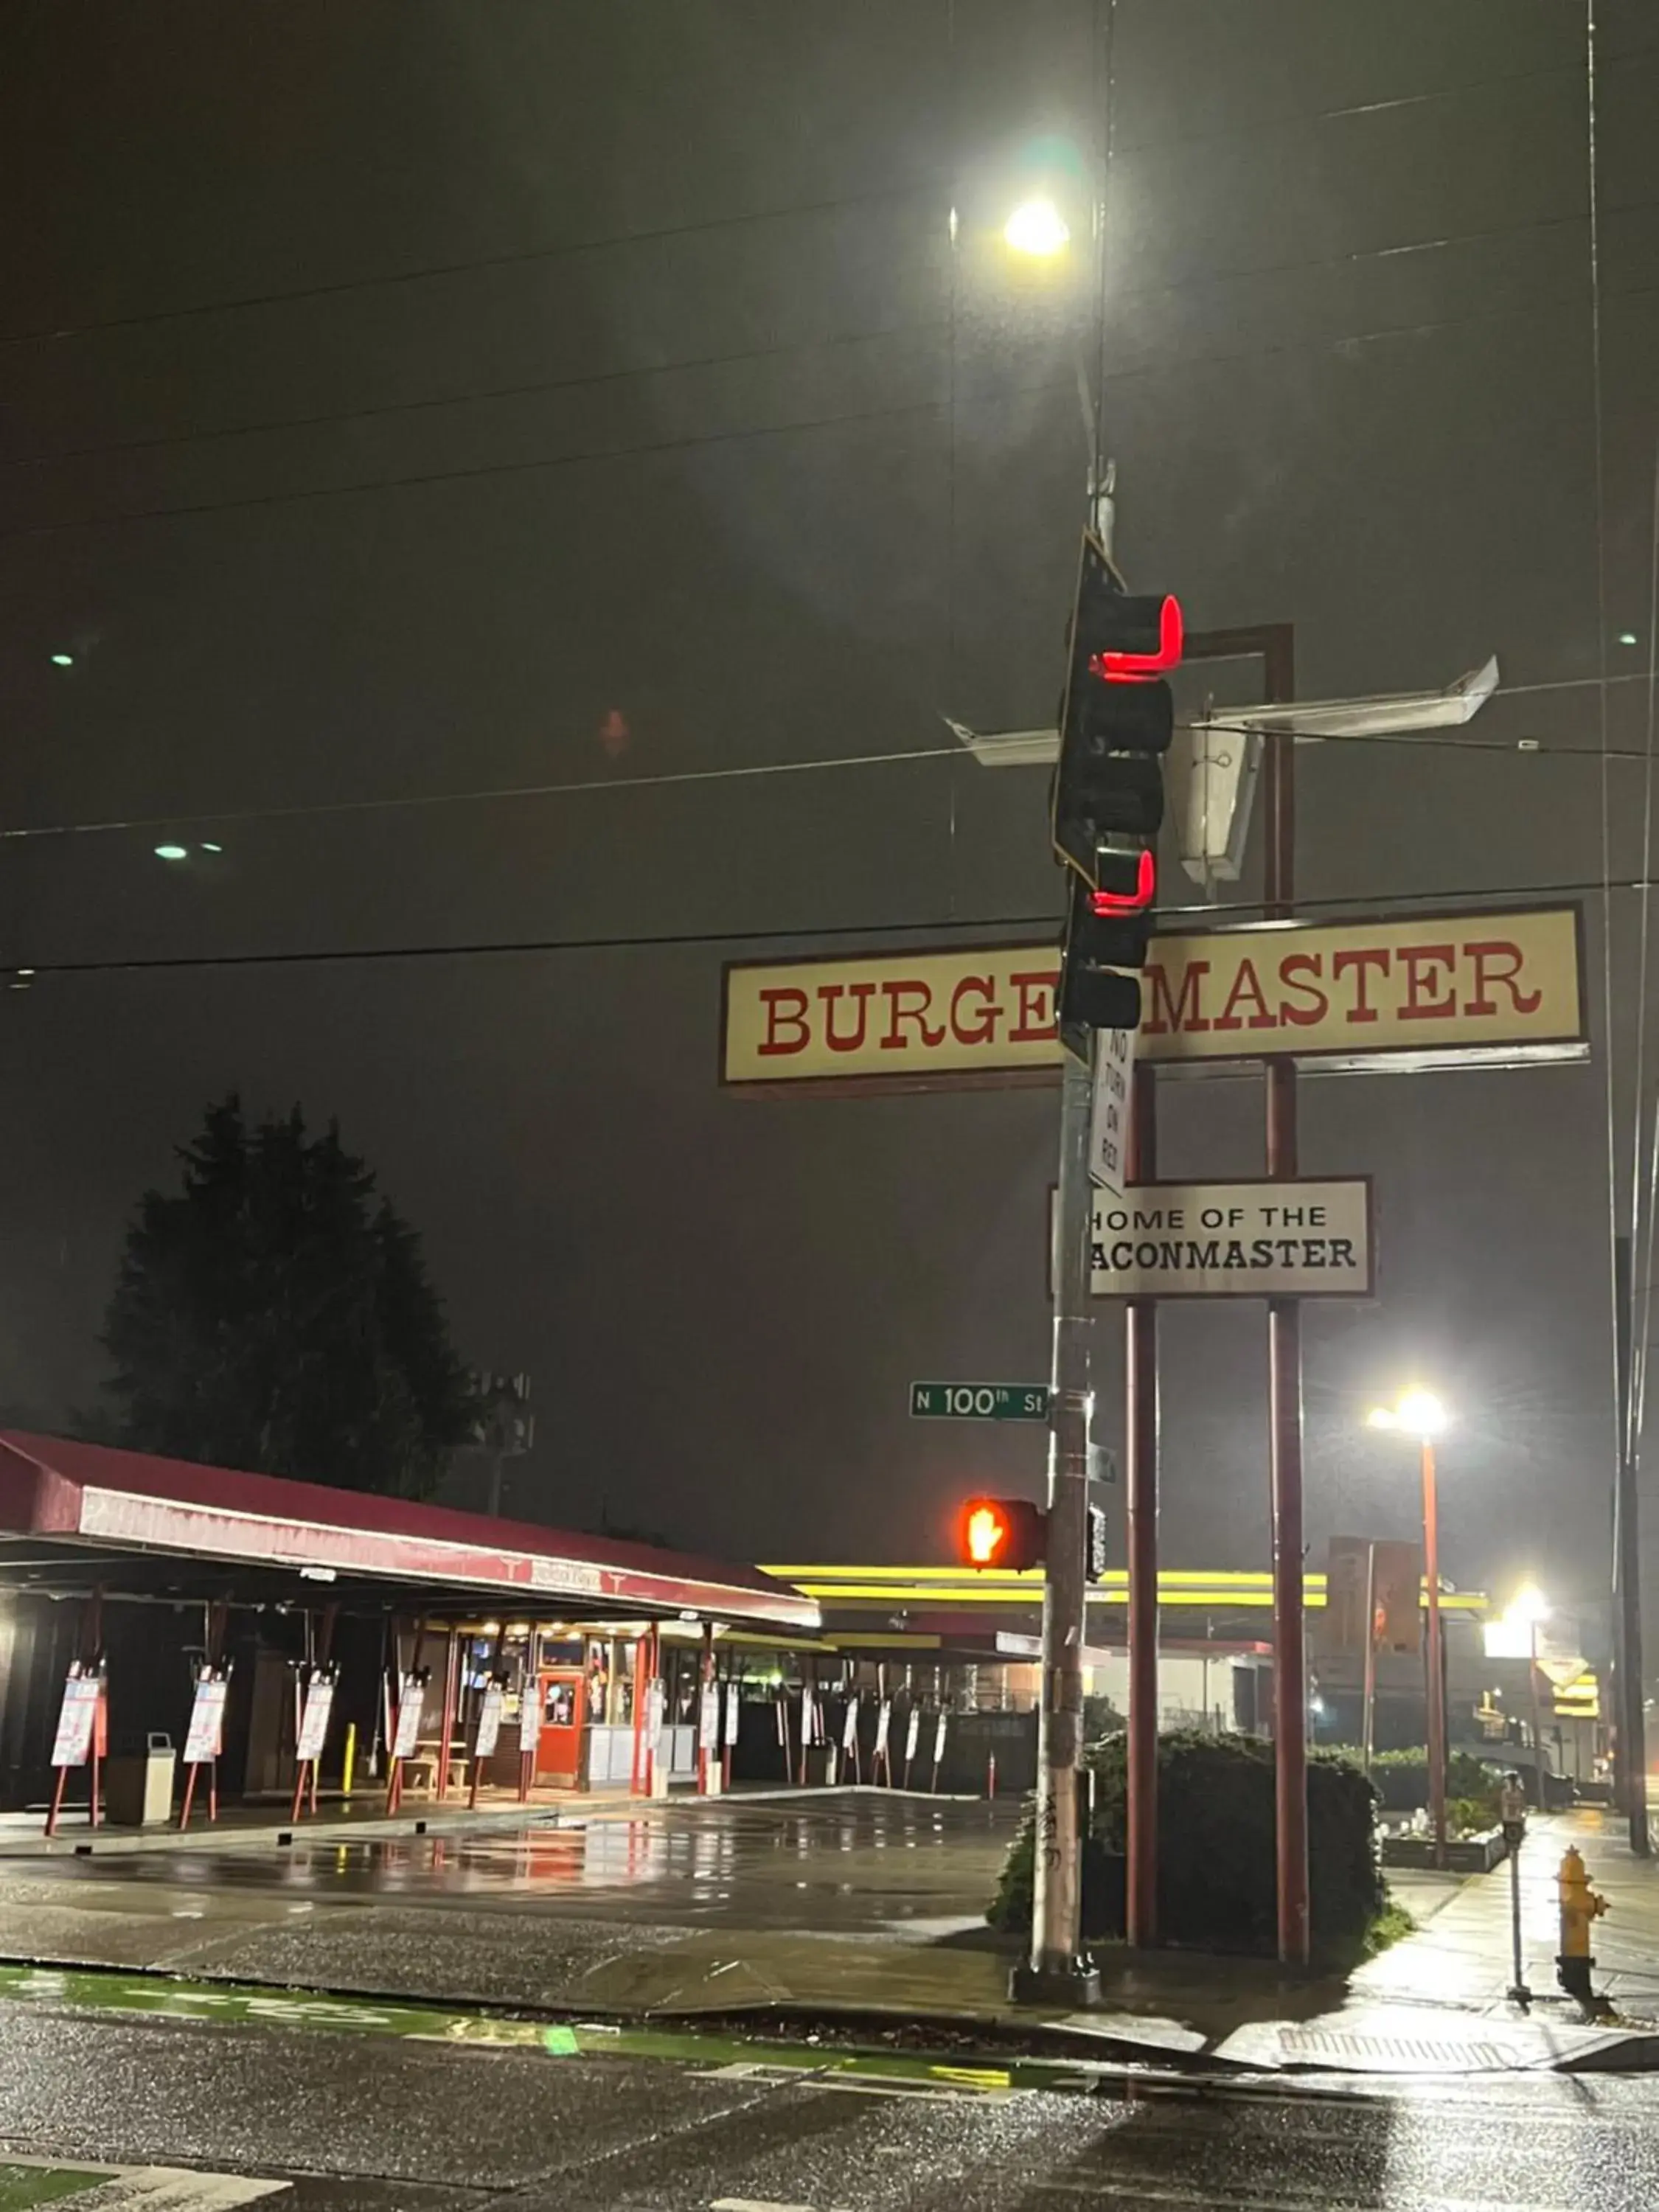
x: 1116, y: 719
x: 1094, y: 994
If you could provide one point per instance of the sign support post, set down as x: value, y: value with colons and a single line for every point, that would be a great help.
x: 1277, y: 647
x: 1140, y: 1431
x: 1055, y: 1971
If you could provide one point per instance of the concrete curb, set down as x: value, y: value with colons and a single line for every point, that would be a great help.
x: 1111, y: 2040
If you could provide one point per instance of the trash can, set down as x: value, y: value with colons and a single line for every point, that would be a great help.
x: 138, y: 1789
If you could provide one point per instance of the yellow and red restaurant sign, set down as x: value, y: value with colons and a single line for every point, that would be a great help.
x: 1440, y: 989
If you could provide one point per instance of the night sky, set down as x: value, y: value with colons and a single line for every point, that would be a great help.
x: 418, y: 397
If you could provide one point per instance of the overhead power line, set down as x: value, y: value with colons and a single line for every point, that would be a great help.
x: 427, y: 403
x: 231, y: 816
x: 521, y: 257
x: 1477, y: 901
x: 227, y: 818
x: 418, y: 477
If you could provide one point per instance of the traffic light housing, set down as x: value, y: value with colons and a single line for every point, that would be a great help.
x: 1002, y: 1532
x: 1116, y: 720
x: 1094, y: 992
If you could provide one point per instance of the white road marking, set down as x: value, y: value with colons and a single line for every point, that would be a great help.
x: 174, y: 2189
x: 755, y: 2204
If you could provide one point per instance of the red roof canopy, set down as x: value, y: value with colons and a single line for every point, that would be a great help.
x: 85, y: 1494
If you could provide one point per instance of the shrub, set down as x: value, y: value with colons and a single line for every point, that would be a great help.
x: 1217, y: 1888
x: 1402, y: 1782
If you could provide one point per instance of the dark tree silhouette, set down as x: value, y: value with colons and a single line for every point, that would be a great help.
x: 276, y: 1315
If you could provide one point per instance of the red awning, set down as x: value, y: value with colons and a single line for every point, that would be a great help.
x: 89, y: 1495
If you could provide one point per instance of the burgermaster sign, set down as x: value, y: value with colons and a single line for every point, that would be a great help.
x: 1470, y: 988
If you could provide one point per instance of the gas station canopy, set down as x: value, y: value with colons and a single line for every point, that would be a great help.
x: 74, y: 1516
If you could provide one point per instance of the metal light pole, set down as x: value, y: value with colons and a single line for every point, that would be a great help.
x: 1436, y: 1661
x: 1368, y: 1721
x: 1421, y: 1415
x: 1056, y: 1972
x: 1527, y: 1610
x: 1537, y: 1725
x: 1630, y: 1716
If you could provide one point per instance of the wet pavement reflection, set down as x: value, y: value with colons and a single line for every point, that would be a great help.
x: 858, y: 1862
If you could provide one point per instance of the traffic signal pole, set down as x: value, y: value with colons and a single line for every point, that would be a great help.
x: 1629, y: 1717
x: 1141, y: 1482
x: 1056, y: 1972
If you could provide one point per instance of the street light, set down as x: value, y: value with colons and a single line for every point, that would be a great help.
x: 1037, y: 227
x: 1420, y: 1415
x: 1526, y: 1610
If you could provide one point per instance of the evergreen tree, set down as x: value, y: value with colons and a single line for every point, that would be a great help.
x: 276, y: 1314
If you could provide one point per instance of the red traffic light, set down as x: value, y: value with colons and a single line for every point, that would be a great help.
x: 1136, y: 667
x: 1133, y: 886
x: 1001, y: 1532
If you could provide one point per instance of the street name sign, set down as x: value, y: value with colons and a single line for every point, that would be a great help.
x: 1233, y: 1240
x: 979, y: 1402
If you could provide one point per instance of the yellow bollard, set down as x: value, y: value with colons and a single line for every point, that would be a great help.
x: 349, y: 1762
x: 1580, y: 1906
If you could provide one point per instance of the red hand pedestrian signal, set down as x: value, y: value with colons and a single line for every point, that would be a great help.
x: 1002, y: 1532
x: 986, y: 1533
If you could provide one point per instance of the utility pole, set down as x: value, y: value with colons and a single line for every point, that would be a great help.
x: 1630, y: 1720
x: 1056, y: 1972
x: 1116, y: 720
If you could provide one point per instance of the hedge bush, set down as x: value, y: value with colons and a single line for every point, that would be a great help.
x: 1401, y: 1780
x: 1217, y: 1886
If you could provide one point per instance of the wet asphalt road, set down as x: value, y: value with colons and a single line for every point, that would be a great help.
x: 376, y: 2124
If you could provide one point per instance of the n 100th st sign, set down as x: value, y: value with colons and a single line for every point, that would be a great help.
x: 1233, y: 1240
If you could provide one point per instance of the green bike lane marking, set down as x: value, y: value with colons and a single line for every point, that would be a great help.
x: 22, y: 2187
x: 27, y: 2182
x: 232, y: 2004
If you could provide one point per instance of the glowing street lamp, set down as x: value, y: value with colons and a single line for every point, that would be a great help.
x: 1037, y: 227
x: 1420, y: 1415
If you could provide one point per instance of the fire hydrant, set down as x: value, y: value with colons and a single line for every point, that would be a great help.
x: 1580, y: 1906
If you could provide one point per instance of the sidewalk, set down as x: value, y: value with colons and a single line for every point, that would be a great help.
x: 1463, y: 1956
